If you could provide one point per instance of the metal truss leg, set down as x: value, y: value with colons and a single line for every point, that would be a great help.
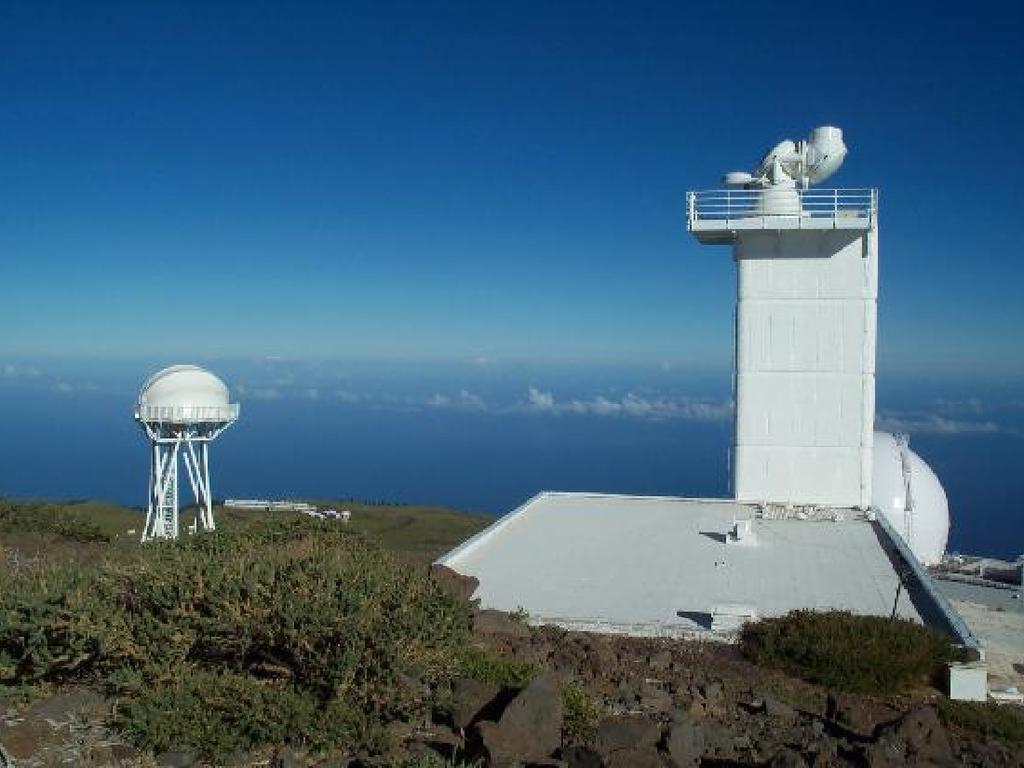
x: 162, y: 513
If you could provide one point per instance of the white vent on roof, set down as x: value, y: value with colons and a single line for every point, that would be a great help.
x: 742, y: 533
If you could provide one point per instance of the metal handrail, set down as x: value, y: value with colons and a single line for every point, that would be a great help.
x: 719, y: 205
x: 187, y: 413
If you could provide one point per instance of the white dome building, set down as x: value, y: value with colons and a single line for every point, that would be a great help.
x: 185, y: 393
x: 907, y: 492
x: 182, y: 409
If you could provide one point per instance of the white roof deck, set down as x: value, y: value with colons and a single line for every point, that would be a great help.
x: 661, y: 565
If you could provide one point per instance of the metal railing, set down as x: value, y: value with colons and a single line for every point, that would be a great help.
x: 178, y: 414
x: 717, y: 207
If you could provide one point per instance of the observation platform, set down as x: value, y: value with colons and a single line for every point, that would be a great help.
x: 667, y: 566
x: 187, y: 414
x: 716, y: 216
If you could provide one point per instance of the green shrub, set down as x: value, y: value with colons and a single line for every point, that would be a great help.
x: 279, y: 633
x: 38, y: 517
x: 487, y: 667
x: 53, y: 623
x: 988, y: 720
x: 580, y: 714
x: 224, y: 712
x: 837, y: 649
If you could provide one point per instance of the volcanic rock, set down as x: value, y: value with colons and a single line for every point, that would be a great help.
x: 490, y: 622
x: 924, y: 736
x: 615, y: 734
x: 854, y: 714
x: 787, y: 758
x: 582, y: 757
x: 644, y: 757
x: 530, y: 728
x: 685, y: 741
x: 469, y: 700
x: 454, y: 582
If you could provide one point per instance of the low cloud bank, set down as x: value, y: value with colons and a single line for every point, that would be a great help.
x: 463, y: 400
x: 17, y: 371
x: 258, y: 393
x: 934, y: 424
x: 656, y: 408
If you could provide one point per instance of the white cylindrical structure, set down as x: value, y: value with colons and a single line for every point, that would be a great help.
x: 906, y: 490
x: 826, y: 151
x: 778, y: 200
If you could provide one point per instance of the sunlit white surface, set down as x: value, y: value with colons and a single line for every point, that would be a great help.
x: 924, y: 521
x: 184, y: 386
x: 805, y: 366
x: 806, y: 308
x: 661, y: 565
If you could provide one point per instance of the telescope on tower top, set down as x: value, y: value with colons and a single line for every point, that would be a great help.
x: 795, y: 163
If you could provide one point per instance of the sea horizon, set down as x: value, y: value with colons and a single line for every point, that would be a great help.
x: 482, y: 436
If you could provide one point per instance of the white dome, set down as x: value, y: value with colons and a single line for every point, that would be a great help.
x: 184, y: 386
x: 928, y: 518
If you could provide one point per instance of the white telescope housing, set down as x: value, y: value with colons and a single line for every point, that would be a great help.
x: 790, y: 163
x: 181, y: 409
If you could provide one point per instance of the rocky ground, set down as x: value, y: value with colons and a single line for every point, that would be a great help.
x: 639, y: 702
x: 595, y: 701
x: 672, y: 703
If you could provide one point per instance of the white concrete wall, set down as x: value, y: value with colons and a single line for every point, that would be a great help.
x: 805, y: 366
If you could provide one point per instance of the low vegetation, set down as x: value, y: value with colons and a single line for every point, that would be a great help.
x: 289, y: 632
x: 986, y: 720
x: 330, y: 638
x: 488, y: 667
x: 581, y: 714
x: 838, y: 649
x: 76, y: 523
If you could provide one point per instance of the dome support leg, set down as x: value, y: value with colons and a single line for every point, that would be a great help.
x: 197, y: 464
x: 162, y: 513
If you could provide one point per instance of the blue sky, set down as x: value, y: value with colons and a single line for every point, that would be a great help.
x: 407, y: 181
x: 438, y: 249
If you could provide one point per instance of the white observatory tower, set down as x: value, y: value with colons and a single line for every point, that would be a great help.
x: 181, y: 409
x: 807, y: 285
x: 807, y: 289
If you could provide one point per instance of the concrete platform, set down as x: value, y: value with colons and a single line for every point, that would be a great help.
x: 996, y: 617
x: 668, y: 566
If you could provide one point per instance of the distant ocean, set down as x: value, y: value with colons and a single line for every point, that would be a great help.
x: 480, y: 438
